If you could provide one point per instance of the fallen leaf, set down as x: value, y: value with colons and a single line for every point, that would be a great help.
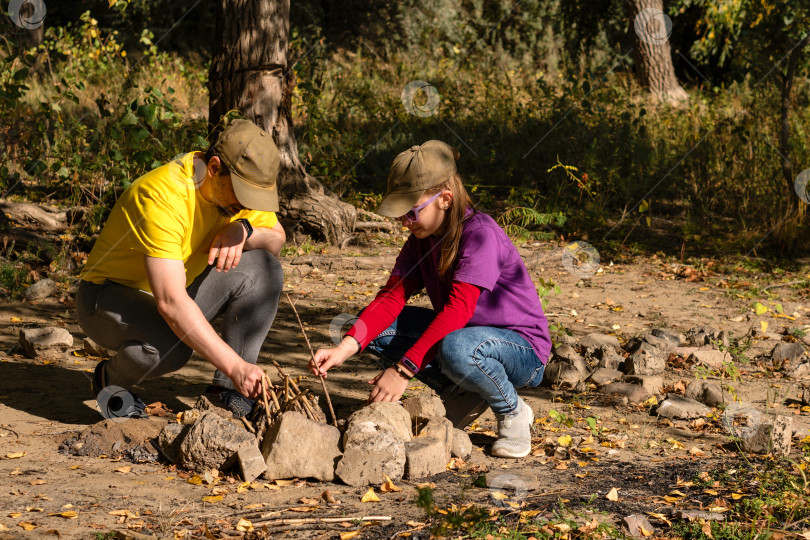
x: 27, y: 525
x: 67, y: 515
x: 644, y: 531
x: 370, y: 496
x: 38, y: 482
x: 15, y: 455
x: 3, y: 528
x: 328, y: 497
x: 14, y: 515
x: 124, y: 470
x: 389, y: 486
x: 212, y: 498
x: 737, y: 496
x: 350, y: 534
x: 243, y: 487
x: 284, y: 483
x: 181, y: 534
x: 302, y: 508
x: 565, y: 441
x: 613, y: 495
x: 196, y: 480
x: 764, y: 326
x: 308, y: 500
x: 244, y: 526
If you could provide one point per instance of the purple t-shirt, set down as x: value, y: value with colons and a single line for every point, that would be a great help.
x: 487, y: 259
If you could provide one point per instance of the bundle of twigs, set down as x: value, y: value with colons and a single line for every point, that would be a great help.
x: 280, y: 398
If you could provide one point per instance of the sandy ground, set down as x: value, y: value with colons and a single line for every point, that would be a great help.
x: 43, y: 402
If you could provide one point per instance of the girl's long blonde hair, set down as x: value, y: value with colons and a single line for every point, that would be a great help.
x: 454, y: 222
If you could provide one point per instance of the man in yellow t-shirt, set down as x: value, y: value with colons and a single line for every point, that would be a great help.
x: 193, y: 239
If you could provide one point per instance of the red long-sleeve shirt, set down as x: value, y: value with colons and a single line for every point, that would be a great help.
x: 389, y: 302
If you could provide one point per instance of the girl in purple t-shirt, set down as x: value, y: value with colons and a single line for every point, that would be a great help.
x: 486, y: 334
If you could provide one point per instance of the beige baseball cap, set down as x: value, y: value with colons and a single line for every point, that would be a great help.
x: 414, y: 171
x: 251, y: 155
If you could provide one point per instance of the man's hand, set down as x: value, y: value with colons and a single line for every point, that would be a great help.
x: 247, y: 378
x: 227, y: 246
x: 388, y: 386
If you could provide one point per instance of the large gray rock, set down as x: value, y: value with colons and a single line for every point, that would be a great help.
x: 41, y: 289
x: 45, y: 341
x: 560, y: 373
x: 386, y: 415
x: 297, y: 447
x: 635, y: 393
x: 645, y: 362
x: 603, y: 376
x: 607, y: 357
x: 441, y: 429
x: 462, y: 446
x: 771, y: 436
x: 595, y: 339
x: 425, y: 456
x: 170, y: 438
x: 94, y: 349
x: 787, y: 352
x: 370, y: 453
x: 652, y: 384
x: 705, y: 392
x: 676, y: 406
x: 569, y: 355
x: 212, y: 443
x: 425, y: 405
x: 251, y: 462
x: 709, y: 358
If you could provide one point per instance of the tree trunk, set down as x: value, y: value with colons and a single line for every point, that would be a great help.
x: 784, y: 117
x: 249, y: 73
x: 651, y: 50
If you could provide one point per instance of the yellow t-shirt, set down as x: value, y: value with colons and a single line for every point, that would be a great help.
x: 163, y: 215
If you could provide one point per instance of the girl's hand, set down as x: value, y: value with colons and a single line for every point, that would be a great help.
x: 326, y: 359
x: 389, y: 385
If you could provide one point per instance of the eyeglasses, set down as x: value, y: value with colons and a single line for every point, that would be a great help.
x: 413, y: 214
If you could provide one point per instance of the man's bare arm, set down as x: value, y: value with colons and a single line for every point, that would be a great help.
x: 270, y: 239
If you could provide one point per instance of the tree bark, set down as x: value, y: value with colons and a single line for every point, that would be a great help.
x: 652, y: 53
x: 784, y: 117
x: 250, y: 73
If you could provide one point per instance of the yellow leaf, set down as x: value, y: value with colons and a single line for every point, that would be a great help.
x: 710, y: 492
x: 16, y: 319
x: 737, y: 496
x: 284, y: 483
x: 124, y: 470
x: 759, y: 309
x: 389, y: 486
x: 212, y: 498
x: 3, y: 528
x: 14, y: 515
x: 644, y: 531
x: 499, y: 495
x: 244, y: 526
x: 565, y: 440
x: 243, y: 487
x: 181, y: 534
x: 196, y: 480
x: 672, y: 499
x: 28, y: 526
x: 764, y: 326
x: 67, y: 515
x: 38, y: 482
x: 370, y: 496
x: 14, y: 455
x: 350, y: 534
x: 718, y: 509
x: 613, y: 495
x: 652, y: 400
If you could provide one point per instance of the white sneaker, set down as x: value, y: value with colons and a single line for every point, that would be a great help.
x: 514, y: 433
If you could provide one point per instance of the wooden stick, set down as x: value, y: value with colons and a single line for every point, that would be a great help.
x: 312, y: 353
x: 247, y: 424
x: 273, y: 395
x: 265, y: 385
x: 302, y: 521
x: 288, y: 380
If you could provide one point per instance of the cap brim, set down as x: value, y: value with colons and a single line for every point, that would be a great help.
x: 396, y: 205
x: 253, y: 197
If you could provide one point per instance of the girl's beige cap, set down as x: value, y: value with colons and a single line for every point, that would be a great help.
x: 415, y: 170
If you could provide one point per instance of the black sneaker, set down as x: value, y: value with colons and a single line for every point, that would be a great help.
x: 462, y: 407
x: 235, y: 402
x: 114, y: 401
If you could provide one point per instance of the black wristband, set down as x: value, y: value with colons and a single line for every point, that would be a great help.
x: 246, y: 224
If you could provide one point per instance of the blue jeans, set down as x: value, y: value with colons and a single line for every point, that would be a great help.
x: 488, y: 361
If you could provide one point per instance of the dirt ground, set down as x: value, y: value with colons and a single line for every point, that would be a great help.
x: 43, y: 402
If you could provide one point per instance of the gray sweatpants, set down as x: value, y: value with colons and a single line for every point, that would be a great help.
x: 127, y: 320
